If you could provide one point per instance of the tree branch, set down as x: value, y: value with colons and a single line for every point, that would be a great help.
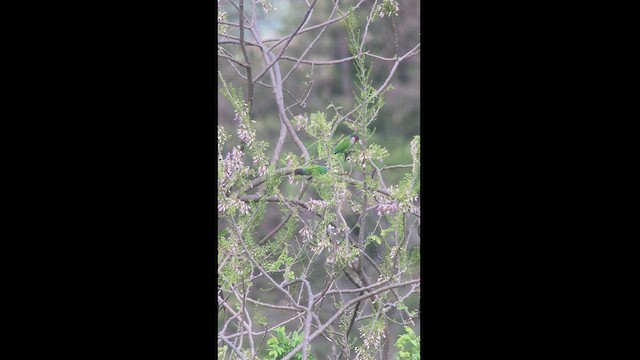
x: 311, y: 44
x: 246, y: 59
x: 344, y: 308
x: 288, y: 41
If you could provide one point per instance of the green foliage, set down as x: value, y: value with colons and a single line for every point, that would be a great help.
x: 234, y: 272
x: 250, y: 222
x: 388, y: 7
x: 235, y: 98
x: 293, y: 161
x: 285, y: 235
x: 222, y: 351
x: 415, y: 255
x: 408, y: 345
x: 222, y: 138
x: 318, y: 126
x: 281, y: 344
x: 259, y: 317
x: 374, y: 238
x: 284, y: 261
x: 327, y: 187
x: 353, y: 32
x: 257, y: 151
x: 376, y: 152
x: 272, y: 182
x: 222, y: 16
x: 371, y: 333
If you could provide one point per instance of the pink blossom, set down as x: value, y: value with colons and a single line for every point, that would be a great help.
x: 233, y: 163
x: 315, y: 205
x: 301, y: 120
x: 243, y: 207
x: 388, y: 208
x: 245, y: 134
x: 262, y: 170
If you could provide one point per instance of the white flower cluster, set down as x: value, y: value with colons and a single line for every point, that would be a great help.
x: 404, y: 202
x: 412, y: 199
x: 316, y: 205
x: 227, y: 204
x: 393, y: 252
x: 388, y: 207
x: 292, y: 175
x: 222, y: 16
x: 306, y: 233
x: 363, y: 159
x: 260, y: 159
x: 388, y: 7
x: 340, y: 194
x: 372, y: 338
x: 262, y: 170
x: 355, y: 207
x: 301, y: 121
x: 331, y: 258
x: 222, y: 138
x: 266, y: 6
x: 323, y: 243
x: 345, y: 252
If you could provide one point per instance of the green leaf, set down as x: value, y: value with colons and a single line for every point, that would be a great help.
x: 375, y: 238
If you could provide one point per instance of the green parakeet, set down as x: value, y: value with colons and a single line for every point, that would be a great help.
x: 345, y: 144
x: 312, y: 170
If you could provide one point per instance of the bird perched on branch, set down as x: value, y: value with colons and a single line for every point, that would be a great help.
x: 345, y: 144
x: 312, y: 170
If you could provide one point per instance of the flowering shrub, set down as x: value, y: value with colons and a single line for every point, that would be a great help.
x: 314, y: 237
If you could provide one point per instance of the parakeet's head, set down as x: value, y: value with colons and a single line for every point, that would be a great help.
x: 355, y: 138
